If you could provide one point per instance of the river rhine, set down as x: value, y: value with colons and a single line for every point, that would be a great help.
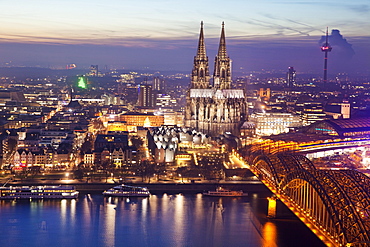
x: 160, y: 220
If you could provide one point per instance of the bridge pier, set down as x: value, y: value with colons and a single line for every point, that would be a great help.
x: 271, y: 207
x: 276, y: 209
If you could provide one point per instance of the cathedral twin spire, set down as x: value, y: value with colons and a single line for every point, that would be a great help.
x: 214, y: 108
x: 222, y: 71
x: 200, y: 75
x: 222, y: 68
x: 201, y: 54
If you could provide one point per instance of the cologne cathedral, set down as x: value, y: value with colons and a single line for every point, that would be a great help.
x: 215, y: 108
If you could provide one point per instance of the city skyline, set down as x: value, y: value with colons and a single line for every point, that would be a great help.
x: 162, y: 35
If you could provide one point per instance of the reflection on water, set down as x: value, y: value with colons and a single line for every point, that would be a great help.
x: 160, y: 220
x: 269, y: 234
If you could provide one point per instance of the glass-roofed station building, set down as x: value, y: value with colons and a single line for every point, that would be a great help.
x: 341, y: 127
x: 321, y: 138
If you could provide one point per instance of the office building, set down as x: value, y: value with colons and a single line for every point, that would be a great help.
x: 290, y: 77
x: 145, y: 96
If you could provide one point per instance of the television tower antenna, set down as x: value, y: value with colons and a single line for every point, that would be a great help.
x: 326, y: 48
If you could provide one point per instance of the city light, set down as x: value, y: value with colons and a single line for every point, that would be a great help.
x: 82, y: 82
x: 295, y: 134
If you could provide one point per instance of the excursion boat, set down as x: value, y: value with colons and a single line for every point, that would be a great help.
x: 127, y: 190
x: 225, y: 192
x: 39, y: 192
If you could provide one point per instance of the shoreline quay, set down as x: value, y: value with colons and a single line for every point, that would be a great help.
x: 247, y: 186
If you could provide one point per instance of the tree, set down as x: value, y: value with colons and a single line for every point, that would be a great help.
x: 12, y: 144
x: 86, y: 147
x: 78, y: 174
x: 145, y: 169
x: 137, y: 142
x: 183, y: 172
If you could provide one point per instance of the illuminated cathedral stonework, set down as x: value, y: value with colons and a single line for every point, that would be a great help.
x: 215, y: 108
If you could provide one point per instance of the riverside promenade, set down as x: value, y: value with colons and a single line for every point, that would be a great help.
x: 157, y: 187
x: 154, y: 186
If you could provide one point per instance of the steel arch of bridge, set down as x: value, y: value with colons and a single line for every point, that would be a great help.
x: 337, y: 202
x: 304, y: 162
x: 276, y: 167
x: 344, y: 221
x: 356, y: 186
x: 267, y: 170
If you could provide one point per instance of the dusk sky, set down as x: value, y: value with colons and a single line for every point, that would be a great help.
x: 163, y: 34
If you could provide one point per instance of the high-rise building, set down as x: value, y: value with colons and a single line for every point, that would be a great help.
x: 130, y: 93
x: 290, y: 77
x: 145, y: 96
x: 158, y: 84
x: 215, y: 108
x: 94, y: 70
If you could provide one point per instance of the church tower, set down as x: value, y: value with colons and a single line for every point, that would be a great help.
x: 200, y: 74
x: 214, y: 109
x: 222, y: 70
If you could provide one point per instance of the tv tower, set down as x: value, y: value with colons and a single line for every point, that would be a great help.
x: 326, y: 48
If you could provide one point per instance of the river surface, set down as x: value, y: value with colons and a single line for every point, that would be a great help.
x: 160, y: 220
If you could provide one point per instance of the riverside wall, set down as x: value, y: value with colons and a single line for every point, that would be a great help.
x: 194, y: 187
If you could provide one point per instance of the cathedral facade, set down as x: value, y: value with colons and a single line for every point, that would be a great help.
x: 214, y: 108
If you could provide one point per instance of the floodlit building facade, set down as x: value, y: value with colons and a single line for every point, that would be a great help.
x: 274, y: 123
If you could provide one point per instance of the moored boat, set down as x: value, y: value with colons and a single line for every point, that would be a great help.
x: 225, y: 192
x: 39, y: 192
x: 127, y: 190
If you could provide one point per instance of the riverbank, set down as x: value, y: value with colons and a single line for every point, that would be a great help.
x: 157, y: 187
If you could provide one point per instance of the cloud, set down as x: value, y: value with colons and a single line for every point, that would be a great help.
x: 342, y: 53
x: 337, y: 41
x: 252, y: 52
x: 278, y: 26
x: 360, y: 8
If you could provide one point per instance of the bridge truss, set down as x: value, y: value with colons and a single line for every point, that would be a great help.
x: 335, y: 205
